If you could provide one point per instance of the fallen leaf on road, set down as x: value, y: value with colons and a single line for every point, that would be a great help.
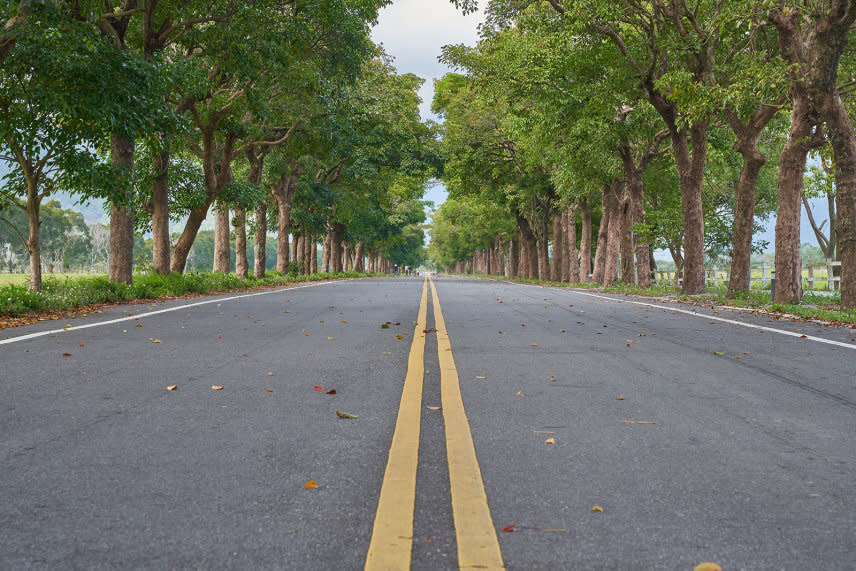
x: 310, y: 485
x: 270, y: 390
x: 638, y: 422
x: 803, y: 336
x: 561, y: 330
x: 399, y: 336
x: 341, y: 414
x: 720, y: 353
x: 597, y: 509
x: 216, y: 388
x: 552, y: 379
x: 330, y: 338
x: 533, y: 344
x: 172, y: 388
x: 156, y: 341
x: 480, y: 377
x: 519, y: 394
x: 344, y: 321
x: 270, y: 373
x: 318, y: 388
x: 550, y: 440
x: 244, y: 355
x: 429, y: 407
x: 82, y: 345
x: 619, y: 398
x: 138, y: 325
x: 331, y: 392
x: 707, y: 566
x: 66, y: 354
x: 385, y: 326
x: 305, y: 334
x: 554, y: 530
x: 508, y: 528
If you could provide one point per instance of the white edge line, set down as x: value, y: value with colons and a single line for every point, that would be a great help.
x: 732, y: 321
x: 150, y: 313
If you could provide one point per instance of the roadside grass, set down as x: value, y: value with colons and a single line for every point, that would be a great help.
x: 823, y: 307
x: 67, y: 292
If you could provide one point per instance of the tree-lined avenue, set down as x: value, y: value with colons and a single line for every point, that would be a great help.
x: 700, y: 438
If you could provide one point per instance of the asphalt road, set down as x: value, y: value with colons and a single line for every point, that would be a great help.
x: 702, y: 435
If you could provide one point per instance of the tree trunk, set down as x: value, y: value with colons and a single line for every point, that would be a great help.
x: 359, y: 264
x: 527, y: 241
x: 841, y: 133
x: 744, y: 211
x: 337, y: 233
x: 222, y: 255
x: 260, y: 251
x: 613, y: 234
x: 33, y: 239
x: 513, y: 258
x: 523, y: 269
x: 585, y: 241
x: 599, y: 270
x: 625, y: 208
x: 558, y: 247
x: 242, y: 266
x: 121, y: 263
x: 571, y: 268
x: 325, y: 255
x: 160, y: 213
x: 282, y: 191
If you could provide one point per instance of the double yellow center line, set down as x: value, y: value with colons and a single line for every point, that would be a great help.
x: 392, y: 537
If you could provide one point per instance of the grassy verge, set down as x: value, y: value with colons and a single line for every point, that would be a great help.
x: 814, y: 306
x: 70, y: 293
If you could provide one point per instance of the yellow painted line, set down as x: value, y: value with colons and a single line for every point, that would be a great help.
x: 392, y: 536
x: 478, y: 546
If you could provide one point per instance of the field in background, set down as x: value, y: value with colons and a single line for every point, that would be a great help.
x: 24, y: 279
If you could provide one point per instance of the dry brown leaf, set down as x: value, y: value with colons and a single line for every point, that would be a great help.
x: 156, y: 341
x: 619, y: 398
x: 519, y: 394
x: 720, y: 353
x: 270, y: 390
x: 330, y: 338
x: 550, y: 440
x: 310, y: 485
x: 341, y: 414
x: 597, y: 509
x: 554, y: 530
x: 480, y: 377
x: 508, y: 529
x: 399, y: 336
x: 429, y: 407
x: 216, y: 388
x: 270, y: 373
x: 172, y: 388
x: 707, y: 566
x: 533, y: 344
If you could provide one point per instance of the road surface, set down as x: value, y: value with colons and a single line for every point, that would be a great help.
x: 497, y: 424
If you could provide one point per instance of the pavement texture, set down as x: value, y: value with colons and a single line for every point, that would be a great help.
x: 702, y: 434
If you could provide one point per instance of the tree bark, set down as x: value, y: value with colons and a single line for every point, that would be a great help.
x: 571, y: 267
x: 160, y: 213
x: 585, y: 241
x: 359, y: 265
x: 260, y: 250
x: 625, y: 208
x: 242, y: 266
x: 337, y: 233
x: 599, y: 271
x: 558, y: 247
x: 222, y: 255
x: 325, y: 255
x: 527, y: 241
x: 613, y: 234
x: 121, y: 262
x: 747, y: 182
x: 283, y: 191
x: 33, y: 239
x: 513, y: 258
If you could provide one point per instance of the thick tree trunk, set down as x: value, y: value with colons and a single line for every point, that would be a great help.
x: 527, y: 240
x: 513, y: 258
x: 585, y: 241
x: 523, y: 268
x: 282, y: 191
x: 628, y: 268
x: 841, y: 134
x: 185, y: 241
x: 571, y: 268
x: 744, y: 211
x: 359, y: 265
x: 599, y: 270
x: 34, y: 248
x: 242, y: 266
x: 121, y: 262
x: 337, y: 233
x: 613, y: 234
x: 325, y: 255
x: 160, y: 213
x: 558, y: 247
x: 222, y: 255
x: 260, y: 250
x: 636, y: 189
